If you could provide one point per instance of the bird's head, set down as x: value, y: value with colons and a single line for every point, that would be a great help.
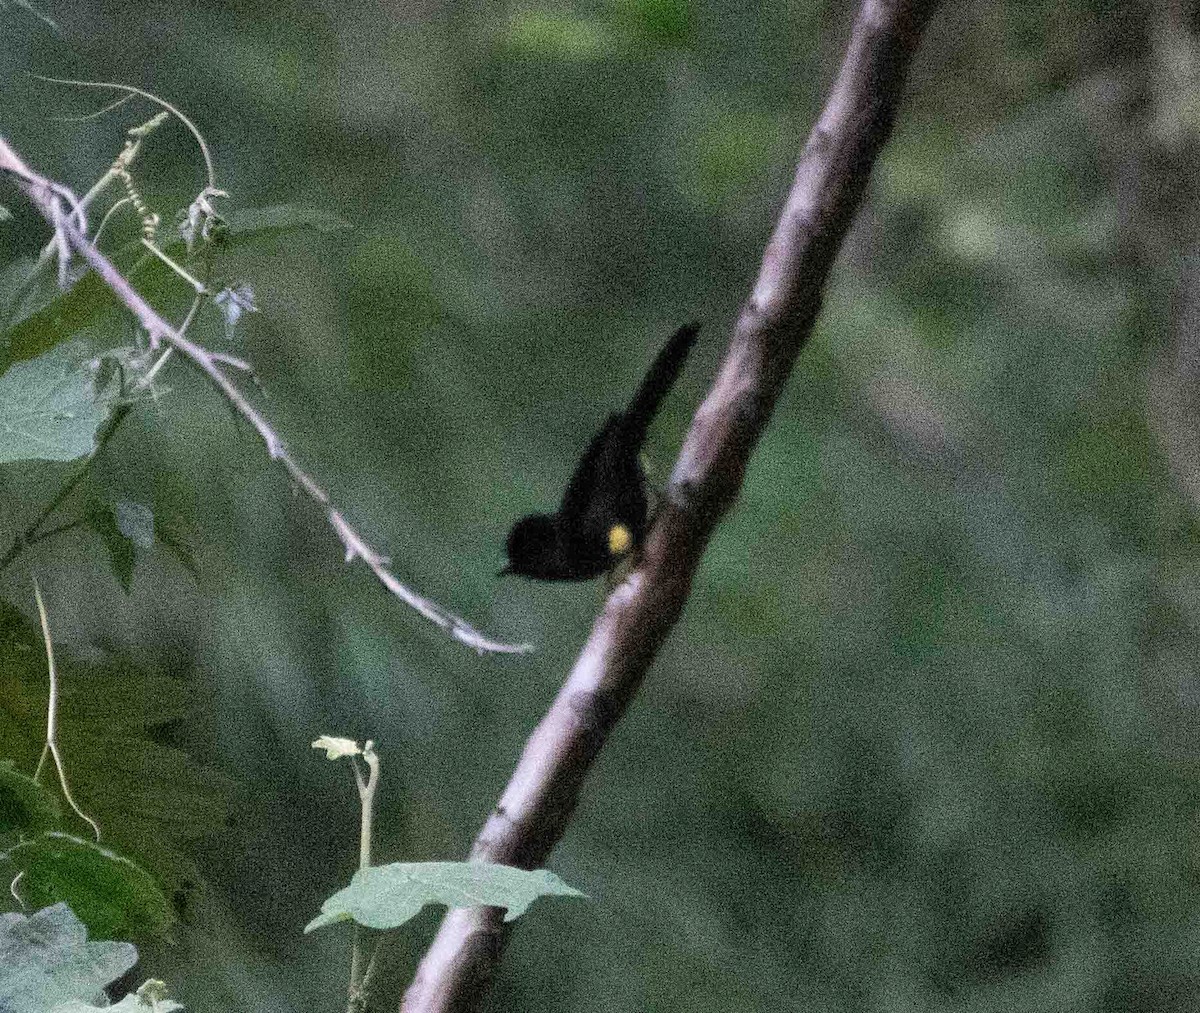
x: 534, y: 548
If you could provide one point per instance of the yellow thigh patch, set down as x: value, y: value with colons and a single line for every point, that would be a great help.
x: 620, y: 538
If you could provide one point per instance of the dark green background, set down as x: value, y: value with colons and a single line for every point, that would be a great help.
x: 925, y: 737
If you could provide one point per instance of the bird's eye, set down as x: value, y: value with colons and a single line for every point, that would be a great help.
x: 620, y: 538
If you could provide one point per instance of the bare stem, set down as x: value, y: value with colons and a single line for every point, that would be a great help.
x: 52, y: 719
x: 366, y: 796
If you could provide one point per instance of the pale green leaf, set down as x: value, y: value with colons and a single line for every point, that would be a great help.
x: 46, y: 960
x: 16, y: 280
x: 384, y: 896
x: 50, y: 409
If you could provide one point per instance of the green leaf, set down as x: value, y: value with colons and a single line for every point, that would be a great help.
x: 125, y: 527
x: 177, y: 545
x: 384, y: 896
x: 249, y: 222
x: 129, y: 528
x: 46, y: 316
x: 151, y: 800
x: 15, y: 280
x: 50, y: 409
x: 46, y: 960
x: 130, y: 1004
x: 42, y: 315
x: 36, y: 315
x: 135, y: 522
x: 122, y: 551
x: 173, y: 519
x: 26, y: 805
x: 114, y: 897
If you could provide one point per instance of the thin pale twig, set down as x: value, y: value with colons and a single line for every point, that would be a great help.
x: 52, y: 718
x: 107, y: 215
x: 103, y: 111
x: 196, y: 284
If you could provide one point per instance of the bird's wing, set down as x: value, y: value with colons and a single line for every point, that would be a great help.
x: 597, y: 465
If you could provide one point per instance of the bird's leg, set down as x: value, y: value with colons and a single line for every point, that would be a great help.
x: 614, y: 578
x: 647, y: 467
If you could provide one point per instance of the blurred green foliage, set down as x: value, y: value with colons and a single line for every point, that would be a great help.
x: 926, y: 737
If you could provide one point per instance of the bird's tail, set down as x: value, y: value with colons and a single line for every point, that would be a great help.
x: 659, y: 380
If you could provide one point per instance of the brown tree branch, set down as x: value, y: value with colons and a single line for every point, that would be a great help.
x: 773, y: 326
x: 1159, y: 201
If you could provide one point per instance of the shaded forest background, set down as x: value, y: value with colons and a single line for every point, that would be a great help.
x: 926, y: 736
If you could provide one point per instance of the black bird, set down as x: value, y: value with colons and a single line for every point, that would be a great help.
x: 603, y: 514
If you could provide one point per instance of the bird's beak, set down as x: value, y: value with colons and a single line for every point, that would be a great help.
x: 507, y: 571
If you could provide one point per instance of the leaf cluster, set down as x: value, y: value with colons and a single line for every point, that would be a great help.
x: 149, y: 798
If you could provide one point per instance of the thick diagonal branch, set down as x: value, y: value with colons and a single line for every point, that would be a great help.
x: 773, y: 326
